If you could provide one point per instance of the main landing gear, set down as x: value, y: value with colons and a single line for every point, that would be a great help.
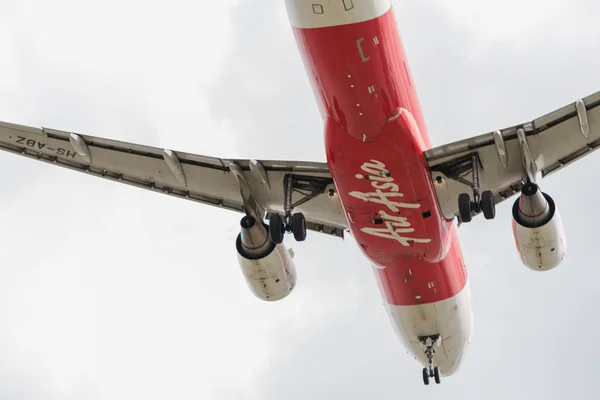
x: 430, y: 371
x: 483, y: 202
x: 294, y: 223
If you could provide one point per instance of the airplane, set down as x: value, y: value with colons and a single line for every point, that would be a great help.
x: 383, y: 183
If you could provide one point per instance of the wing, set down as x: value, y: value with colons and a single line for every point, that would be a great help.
x: 250, y: 186
x: 552, y: 142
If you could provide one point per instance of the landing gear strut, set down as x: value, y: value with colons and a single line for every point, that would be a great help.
x: 430, y: 371
x: 294, y: 223
x: 482, y: 202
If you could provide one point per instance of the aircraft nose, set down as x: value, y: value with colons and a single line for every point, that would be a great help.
x: 455, y: 338
x: 452, y: 319
x: 451, y: 353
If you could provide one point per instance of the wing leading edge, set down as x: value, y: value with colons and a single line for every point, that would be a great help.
x: 230, y: 184
x: 554, y: 140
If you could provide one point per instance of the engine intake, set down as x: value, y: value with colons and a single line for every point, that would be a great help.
x: 268, y: 268
x: 538, y: 229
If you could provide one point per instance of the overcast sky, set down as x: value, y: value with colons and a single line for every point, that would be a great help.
x: 111, y: 292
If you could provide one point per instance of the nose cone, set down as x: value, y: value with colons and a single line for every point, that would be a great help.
x: 451, y: 318
x: 449, y: 355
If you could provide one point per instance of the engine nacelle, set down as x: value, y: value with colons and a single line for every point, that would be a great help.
x: 268, y: 268
x: 538, y: 229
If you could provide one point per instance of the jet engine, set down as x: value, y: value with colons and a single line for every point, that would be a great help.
x: 538, y: 229
x: 268, y: 268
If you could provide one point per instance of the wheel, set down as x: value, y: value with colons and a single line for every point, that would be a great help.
x: 299, y: 227
x: 488, y: 205
x: 436, y: 375
x: 464, y: 207
x: 276, y: 229
x: 425, y: 376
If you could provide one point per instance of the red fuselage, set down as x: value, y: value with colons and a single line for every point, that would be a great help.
x: 375, y: 138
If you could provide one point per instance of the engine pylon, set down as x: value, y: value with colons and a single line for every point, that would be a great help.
x: 533, y: 208
x: 254, y: 237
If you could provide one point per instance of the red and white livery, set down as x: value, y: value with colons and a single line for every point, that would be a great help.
x: 375, y: 138
x: 383, y: 181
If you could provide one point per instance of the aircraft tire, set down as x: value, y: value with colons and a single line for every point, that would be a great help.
x: 276, y: 229
x: 425, y: 376
x: 436, y: 375
x: 299, y: 227
x: 464, y: 207
x: 488, y: 206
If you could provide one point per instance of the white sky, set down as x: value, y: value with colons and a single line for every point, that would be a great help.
x: 110, y: 292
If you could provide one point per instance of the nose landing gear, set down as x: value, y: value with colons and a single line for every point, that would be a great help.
x: 430, y: 371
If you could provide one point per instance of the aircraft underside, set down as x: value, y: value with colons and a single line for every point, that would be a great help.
x: 383, y: 181
x: 376, y: 139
